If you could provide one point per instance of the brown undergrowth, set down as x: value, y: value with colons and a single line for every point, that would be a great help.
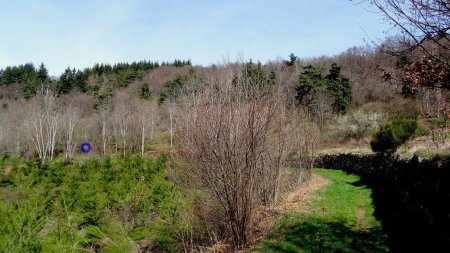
x: 293, y: 198
x: 296, y: 201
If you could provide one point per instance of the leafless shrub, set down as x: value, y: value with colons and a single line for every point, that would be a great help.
x: 235, y: 137
x: 303, y: 138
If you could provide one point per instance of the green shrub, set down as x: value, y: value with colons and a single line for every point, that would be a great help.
x: 383, y: 140
x: 112, y: 205
x: 422, y: 129
x: 403, y: 129
x: 393, y: 134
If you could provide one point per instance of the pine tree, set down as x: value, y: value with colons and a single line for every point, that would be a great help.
x: 80, y: 81
x: 66, y: 81
x: 145, y: 92
x: 310, y: 82
x: 292, y: 60
x: 42, y: 73
x: 29, y: 91
x: 339, y: 88
x: 30, y: 80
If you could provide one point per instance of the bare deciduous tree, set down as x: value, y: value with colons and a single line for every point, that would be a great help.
x: 171, y: 110
x: 234, y: 136
x: 146, y: 115
x: 71, y: 117
x: 104, y: 128
x: 424, y: 23
x: 122, y: 116
x: 43, y: 122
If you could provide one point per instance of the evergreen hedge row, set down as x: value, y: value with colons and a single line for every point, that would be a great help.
x: 411, y: 197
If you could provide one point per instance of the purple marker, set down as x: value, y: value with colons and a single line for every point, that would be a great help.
x: 85, y: 147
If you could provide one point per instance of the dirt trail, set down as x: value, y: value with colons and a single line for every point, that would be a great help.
x: 361, y: 216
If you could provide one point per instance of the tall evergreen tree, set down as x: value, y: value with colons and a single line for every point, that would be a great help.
x: 310, y: 82
x: 80, y: 81
x: 42, y: 73
x: 292, y: 59
x: 30, y: 80
x: 145, y: 92
x: 339, y: 88
x: 66, y: 81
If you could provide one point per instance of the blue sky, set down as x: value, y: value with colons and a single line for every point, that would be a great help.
x: 79, y: 33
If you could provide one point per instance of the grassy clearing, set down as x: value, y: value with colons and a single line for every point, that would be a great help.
x: 340, y: 219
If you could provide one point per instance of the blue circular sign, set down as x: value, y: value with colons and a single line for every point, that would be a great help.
x: 85, y: 147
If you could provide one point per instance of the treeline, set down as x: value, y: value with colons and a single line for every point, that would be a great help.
x: 343, y: 94
x: 27, y: 75
x: 323, y: 88
x: 29, y: 78
x: 255, y: 74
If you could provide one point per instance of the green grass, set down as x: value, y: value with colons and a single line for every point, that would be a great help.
x: 340, y: 219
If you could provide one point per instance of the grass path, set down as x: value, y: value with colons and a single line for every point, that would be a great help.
x: 339, y: 219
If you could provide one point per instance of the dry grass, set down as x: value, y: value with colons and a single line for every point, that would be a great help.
x: 353, y: 146
x: 296, y: 201
x: 7, y: 169
x: 424, y: 147
x: 302, y: 195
